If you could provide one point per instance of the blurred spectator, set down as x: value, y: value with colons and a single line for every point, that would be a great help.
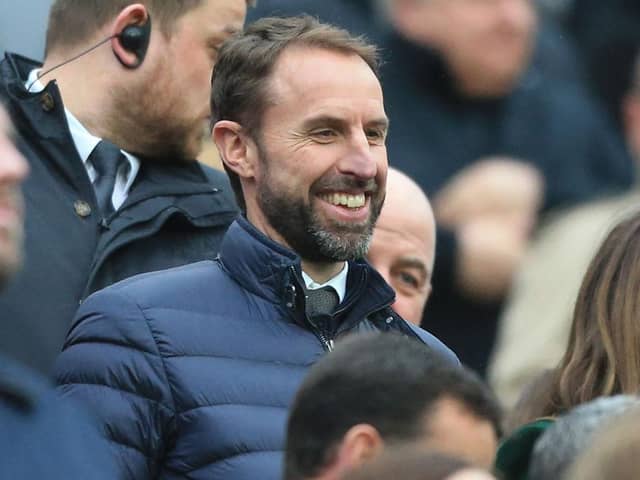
x: 546, y: 287
x: 614, y: 452
x: 606, y: 33
x: 545, y: 293
x: 385, y: 390
x: 359, y: 17
x: 111, y: 139
x: 545, y: 449
x: 415, y: 464
x: 40, y: 436
x: 23, y: 26
x: 468, y: 112
x: 602, y: 357
x: 403, y: 245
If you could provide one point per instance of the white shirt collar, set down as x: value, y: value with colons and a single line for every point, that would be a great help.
x: 339, y: 282
x: 85, y: 142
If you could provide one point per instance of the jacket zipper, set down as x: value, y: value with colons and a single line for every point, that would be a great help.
x: 327, y: 343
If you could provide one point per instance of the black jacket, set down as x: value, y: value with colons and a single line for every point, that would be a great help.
x: 436, y: 132
x: 174, y: 214
x: 191, y: 371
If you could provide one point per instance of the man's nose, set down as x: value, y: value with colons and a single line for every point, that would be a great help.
x: 359, y: 159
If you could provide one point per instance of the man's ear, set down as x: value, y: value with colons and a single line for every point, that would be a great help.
x: 235, y: 147
x: 360, y: 444
x: 135, y: 14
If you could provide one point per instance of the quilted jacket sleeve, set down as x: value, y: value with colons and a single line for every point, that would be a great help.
x: 111, y: 363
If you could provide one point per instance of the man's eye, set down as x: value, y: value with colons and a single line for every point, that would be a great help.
x: 409, y: 279
x: 324, y: 134
x: 375, y: 136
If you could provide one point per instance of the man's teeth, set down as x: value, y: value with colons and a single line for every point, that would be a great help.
x: 345, y: 200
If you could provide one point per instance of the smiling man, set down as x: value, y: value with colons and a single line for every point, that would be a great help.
x: 200, y: 363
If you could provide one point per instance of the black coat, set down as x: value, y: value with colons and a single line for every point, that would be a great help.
x: 42, y: 436
x: 436, y: 132
x: 174, y: 214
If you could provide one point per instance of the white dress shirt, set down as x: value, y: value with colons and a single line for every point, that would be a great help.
x: 339, y: 282
x: 85, y: 142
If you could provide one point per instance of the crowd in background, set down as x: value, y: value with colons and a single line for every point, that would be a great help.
x: 514, y: 132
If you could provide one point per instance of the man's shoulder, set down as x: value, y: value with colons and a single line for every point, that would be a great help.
x: 172, y: 285
x: 432, y: 342
x: 219, y: 180
x: 123, y: 312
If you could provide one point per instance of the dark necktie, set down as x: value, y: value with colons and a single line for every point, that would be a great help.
x: 106, y: 158
x: 321, y: 301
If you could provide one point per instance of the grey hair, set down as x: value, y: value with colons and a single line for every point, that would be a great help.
x: 571, y: 434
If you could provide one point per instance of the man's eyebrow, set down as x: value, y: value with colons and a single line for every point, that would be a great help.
x: 324, y: 120
x: 334, y: 121
x: 382, y: 122
x: 414, y: 262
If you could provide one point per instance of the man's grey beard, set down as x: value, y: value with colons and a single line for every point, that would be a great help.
x: 304, y: 232
x: 335, y: 248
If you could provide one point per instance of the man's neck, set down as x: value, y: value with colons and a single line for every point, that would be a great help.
x: 322, y: 272
x: 83, y: 94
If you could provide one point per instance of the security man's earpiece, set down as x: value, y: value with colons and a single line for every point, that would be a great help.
x: 135, y: 39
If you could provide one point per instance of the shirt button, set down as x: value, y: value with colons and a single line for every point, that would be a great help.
x: 82, y: 208
x: 47, y: 102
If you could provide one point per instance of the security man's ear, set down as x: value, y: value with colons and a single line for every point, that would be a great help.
x: 361, y: 443
x: 130, y: 35
x: 237, y: 150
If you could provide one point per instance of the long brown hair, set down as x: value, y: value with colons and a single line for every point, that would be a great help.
x: 603, y: 353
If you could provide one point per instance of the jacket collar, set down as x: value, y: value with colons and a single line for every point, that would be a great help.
x: 42, y: 115
x: 268, y: 269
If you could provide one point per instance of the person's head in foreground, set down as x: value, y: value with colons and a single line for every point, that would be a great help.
x: 300, y: 124
x: 561, y: 444
x: 613, y: 453
x: 13, y: 170
x: 403, y: 246
x: 416, y: 464
x: 382, y: 390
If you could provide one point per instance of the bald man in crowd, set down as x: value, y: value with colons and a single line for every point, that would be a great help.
x: 403, y: 245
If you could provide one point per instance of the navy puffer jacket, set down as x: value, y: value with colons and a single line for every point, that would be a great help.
x: 191, y: 370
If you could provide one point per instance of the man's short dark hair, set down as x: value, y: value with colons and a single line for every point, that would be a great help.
x: 409, y: 464
x: 74, y: 21
x: 241, y: 77
x: 385, y: 380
